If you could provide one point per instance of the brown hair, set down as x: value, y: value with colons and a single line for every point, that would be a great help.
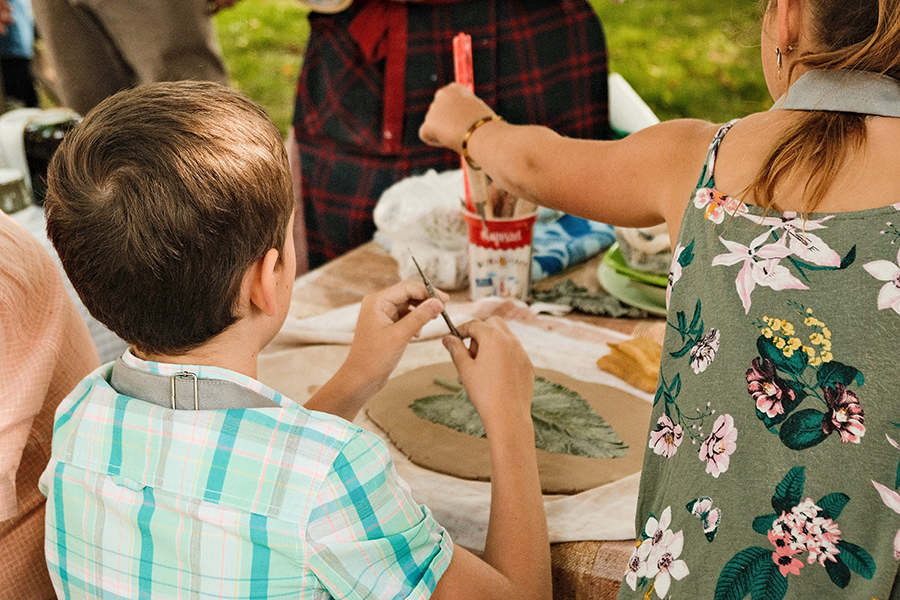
x: 859, y: 35
x: 160, y: 201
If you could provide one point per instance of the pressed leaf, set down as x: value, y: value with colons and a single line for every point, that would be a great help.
x: 789, y: 492
x: 737, y: 576
x: 803, y: 429
x: 857, y: 559
x: 564, y: 422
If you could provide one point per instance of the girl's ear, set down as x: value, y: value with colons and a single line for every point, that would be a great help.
x: 790, y: 24
x: 259, y: 287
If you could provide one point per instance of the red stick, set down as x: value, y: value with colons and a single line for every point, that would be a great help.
x: 462, y: 67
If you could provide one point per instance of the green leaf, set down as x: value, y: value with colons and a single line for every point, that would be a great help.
x: 687, y: 255
x: 803, y: 429
x: 795, y: 364
x: 768, y: 583
x: 857, y: 559
x: 564, y: 422
x: 738, y: 574
x: 789, y: 493
x: 764, y: 523
x: 832, y: 505
x: 838, y: 572
x: 835, y: 372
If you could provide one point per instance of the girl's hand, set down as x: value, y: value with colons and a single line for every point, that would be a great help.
x: 450, y: 115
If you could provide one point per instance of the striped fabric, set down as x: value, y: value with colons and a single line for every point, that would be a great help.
x: 147, y: 502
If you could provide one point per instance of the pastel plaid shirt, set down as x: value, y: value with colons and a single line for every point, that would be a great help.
x: 149, y: 502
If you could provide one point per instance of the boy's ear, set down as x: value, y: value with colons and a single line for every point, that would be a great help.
x: 260, y: 283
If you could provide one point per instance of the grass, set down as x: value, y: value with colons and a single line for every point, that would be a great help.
x: 698, y: 59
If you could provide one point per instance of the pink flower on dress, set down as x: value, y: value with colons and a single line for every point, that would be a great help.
x: 674, y: 271
x: 768, y: 390
x: 884, y: 270
x: 845, y: 414
x: 719, y: 446
x: 666, y: 438
x: 891, y: 499
x: 704, y: 351
x: 717, y: 204
x: 760, y: 266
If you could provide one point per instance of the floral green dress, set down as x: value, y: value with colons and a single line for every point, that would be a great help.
x: 773, y: 465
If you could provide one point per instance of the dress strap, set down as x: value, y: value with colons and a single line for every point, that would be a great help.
x: 707, y: 180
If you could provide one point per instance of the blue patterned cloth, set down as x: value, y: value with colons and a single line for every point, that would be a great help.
x: 562, y: 240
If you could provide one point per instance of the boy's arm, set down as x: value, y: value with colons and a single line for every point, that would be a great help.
x: 388, y: 320
x: 500, y: 383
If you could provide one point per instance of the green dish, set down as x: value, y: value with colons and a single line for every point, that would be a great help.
x: 651, y: 298
x: 614, y: 259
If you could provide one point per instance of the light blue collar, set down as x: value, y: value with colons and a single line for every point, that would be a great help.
x: 843, y: 91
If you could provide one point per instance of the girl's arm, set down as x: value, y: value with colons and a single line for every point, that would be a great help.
x: 643, y: 180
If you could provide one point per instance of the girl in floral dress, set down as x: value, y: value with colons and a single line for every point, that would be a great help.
x: 773, y: 465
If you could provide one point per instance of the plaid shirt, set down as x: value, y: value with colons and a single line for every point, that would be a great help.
x: 148, y: 502
x: 371, y: 71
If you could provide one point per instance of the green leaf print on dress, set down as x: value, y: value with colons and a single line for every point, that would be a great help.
x: 716, y: 447
x: 797, y: 526
x: 793, y: 367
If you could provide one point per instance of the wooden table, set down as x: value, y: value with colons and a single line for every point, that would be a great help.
x: 581, y: 570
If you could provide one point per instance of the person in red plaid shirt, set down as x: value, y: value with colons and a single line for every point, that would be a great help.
x: 371, y: 70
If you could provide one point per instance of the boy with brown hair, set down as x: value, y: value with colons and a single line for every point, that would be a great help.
x: 174, y: 472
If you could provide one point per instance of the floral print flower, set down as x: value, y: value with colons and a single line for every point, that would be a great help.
x: 717, y: 449
x: 717, y: 205
x: 666, y: 438
x: 845, y: 415
x: 658, y: 535
x: 883, y: 270
x: 804, y: 530
x: 637, y: 568
x: 767, y: 389
x: 704, y: 351
x: 802, y: 244
x: 785, y: 553
x: 760, y: 266
x: 891, y: 499
x: 669, y: 566
x: 674, y: 271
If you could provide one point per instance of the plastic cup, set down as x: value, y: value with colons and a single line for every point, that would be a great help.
x: 500, y: 256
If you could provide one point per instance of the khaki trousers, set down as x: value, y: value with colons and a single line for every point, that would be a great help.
x: 99, y: 47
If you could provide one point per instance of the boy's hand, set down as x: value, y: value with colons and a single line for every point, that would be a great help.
x: 495, y: 370
x: 388, y: 320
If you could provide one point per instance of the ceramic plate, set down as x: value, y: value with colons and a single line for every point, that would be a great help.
x: 634, y: 293
x: 616, y: 260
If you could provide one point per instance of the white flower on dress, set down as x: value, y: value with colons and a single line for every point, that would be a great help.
x: 885, y: 270
x: 658, y: 537
x: 704, y: 351
x: 798, y: 239
x: 674, y: 271
x: 760, y: 266
x: 669, y: 566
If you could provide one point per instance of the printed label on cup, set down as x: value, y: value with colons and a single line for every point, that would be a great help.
x: 500, y: 256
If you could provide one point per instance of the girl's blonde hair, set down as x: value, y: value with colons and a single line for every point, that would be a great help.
x: 860, y: 35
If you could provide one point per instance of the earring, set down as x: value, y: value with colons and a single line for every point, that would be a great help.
x: 778, y: 58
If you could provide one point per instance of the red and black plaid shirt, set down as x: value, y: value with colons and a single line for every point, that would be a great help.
x: 371, y: 72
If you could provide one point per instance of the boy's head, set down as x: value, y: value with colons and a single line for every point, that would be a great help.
x: 158, y: 204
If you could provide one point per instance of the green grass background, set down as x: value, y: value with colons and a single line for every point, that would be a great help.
x: 697, y: 59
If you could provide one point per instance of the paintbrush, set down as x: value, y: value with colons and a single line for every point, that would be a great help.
x: 433, y: 294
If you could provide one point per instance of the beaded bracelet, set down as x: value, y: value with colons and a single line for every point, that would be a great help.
x: 468, y: 135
